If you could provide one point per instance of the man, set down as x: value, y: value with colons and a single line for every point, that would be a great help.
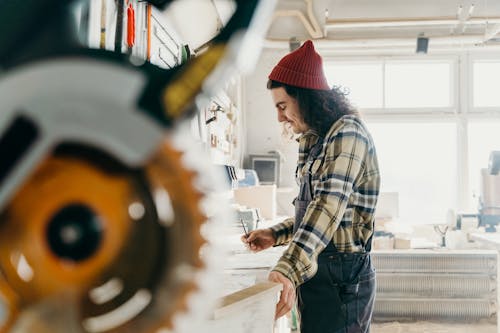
x: 329, y: 240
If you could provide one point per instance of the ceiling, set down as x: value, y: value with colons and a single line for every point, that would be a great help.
x: 198, y: 21
x: 382, y: 24
x: 355, y: 25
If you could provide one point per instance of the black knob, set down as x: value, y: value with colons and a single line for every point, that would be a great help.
x: 75, y: 232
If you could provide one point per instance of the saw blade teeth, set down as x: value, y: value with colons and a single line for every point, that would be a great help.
x: 178, y: 209
x: 178, y: 203
x: 185, y: 272
x: 205, y: 179
x: 203, y: 183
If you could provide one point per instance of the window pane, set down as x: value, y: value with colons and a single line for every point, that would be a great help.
x: 484, y: 136
x: 415, y: 85
x: 362, y: 81
x: 486, y: 79
x: 418, y: 160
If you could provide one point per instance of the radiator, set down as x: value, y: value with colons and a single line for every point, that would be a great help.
x: 436, y: 285
x: 436, y: 261
x: 434, y: 309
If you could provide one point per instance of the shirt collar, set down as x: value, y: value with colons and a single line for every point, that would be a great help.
x: 310, y: 137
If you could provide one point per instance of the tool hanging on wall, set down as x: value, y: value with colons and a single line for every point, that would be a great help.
x: 130, y: 26
x: 148, y: 32
x: 102, y: 39
x: 119, y: 25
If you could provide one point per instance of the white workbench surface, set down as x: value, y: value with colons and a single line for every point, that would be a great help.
x: 245, y: 270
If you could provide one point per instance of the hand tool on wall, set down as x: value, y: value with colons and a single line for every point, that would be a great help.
x: 102, y: 39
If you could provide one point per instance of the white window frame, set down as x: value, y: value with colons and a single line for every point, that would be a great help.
x: 484, y: 58
x: 451, y: 109
x: 452, y: 60
x: 367, y: 61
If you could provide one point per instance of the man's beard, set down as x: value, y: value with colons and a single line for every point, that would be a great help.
x: 287, y: 132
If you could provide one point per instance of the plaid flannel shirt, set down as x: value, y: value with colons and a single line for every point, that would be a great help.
x: 345, y: 182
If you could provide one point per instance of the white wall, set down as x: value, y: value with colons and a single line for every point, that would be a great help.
x: 263, y: 132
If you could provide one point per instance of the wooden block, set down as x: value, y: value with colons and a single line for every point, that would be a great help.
x: 248, y: 310
x: 402, y: 243
x: 262, y: 197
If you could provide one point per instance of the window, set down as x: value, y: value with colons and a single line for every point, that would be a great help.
x: 394, y: 85
x: 418, y: 160
x: 362, y: 82
x: 486, y: 78
x: 484, y: 137
x: 417, y: 85
x: 430, y: 157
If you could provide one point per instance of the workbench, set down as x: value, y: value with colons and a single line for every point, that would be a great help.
x: 248, y: 300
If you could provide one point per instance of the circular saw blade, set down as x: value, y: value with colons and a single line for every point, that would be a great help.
x: 117, y: 249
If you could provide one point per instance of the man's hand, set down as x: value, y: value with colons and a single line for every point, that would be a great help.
x: 259, y: 240
x: 287, y: 297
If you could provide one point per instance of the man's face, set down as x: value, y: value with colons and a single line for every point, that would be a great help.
x: 288, y: 110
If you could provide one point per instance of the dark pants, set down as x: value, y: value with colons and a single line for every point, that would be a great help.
x: 340, y: 297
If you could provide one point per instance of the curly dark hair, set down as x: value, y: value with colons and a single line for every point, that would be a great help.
x: 319, y: 108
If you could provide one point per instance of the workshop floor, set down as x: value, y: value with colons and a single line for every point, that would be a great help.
x: 433, y: 327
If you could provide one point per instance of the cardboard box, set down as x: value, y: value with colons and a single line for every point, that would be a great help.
x: 262, y: 197
x: 402, y: 243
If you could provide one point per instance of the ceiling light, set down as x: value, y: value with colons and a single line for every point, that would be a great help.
x: 294, y: 44
x: 422, y: 44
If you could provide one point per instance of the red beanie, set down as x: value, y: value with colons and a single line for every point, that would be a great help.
x: 301, y: 68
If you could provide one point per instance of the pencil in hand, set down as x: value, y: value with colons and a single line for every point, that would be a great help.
x: 249, y: 244
x: 244, y: 228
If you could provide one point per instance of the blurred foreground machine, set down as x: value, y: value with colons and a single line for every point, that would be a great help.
x: 101, y: 225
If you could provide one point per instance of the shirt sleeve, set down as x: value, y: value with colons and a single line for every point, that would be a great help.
x: 283, y: 231
x: 343, y: 163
